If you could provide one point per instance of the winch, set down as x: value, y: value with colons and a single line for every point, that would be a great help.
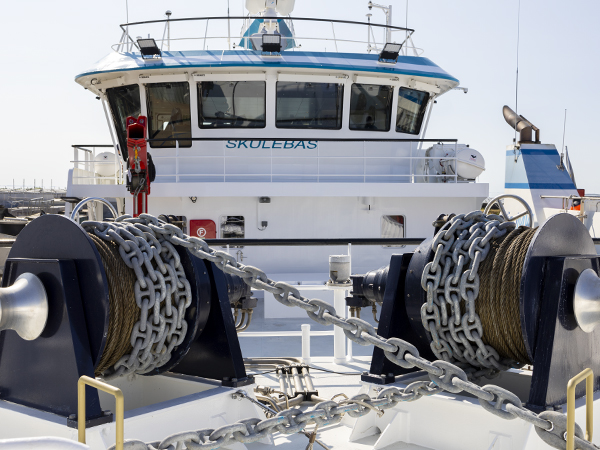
x: 490, y: 296
x: 111, y: 299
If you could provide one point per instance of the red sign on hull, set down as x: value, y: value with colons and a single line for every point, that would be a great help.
x: 204, y: 229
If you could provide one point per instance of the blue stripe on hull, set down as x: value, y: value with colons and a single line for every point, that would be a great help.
x: 539, y: 186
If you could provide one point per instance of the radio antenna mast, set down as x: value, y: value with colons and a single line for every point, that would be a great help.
x: 228, y: 28
x: 517, y: 78
x: 564, y: 132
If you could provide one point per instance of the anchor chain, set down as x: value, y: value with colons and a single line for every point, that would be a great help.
x: 161, y: 291
x: 549, y: 425
x: 451, y: 280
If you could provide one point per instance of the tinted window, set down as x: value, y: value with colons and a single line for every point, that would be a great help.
x: 309, y: 105
x: 371, y: 107
x: 124, y: 101
x: 411, y: 109
x: 169, y: 113
x: 231, y: 104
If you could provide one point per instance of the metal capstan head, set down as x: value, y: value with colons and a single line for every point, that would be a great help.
x: 522, y: 125
x: 24, y: 307
x: 586, y: 301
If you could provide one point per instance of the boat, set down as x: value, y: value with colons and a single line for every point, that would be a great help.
x: 133, y: 303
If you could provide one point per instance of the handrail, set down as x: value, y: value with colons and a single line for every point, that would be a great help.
x: 98, y: 146
x: 588, y: 376
x: 315, y: 242
x: 310, y: 19
x: 128, y: 43
x: 455, y: 141
x: 119, y: 408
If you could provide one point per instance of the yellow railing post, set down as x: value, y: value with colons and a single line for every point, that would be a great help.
x: 119, y: 407
x: 588, y: 375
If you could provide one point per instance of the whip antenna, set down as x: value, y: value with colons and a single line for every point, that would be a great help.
x: 564, y: 132
x: 517, y: 78
x: 228, y: 28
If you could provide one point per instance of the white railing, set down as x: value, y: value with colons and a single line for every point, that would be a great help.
x: 86, y: 167
x: 325, y: 168
x: 310, y: 34
x: 232, y: 167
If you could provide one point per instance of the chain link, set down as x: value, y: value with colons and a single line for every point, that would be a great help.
x: 550, y: 426
x: 451, y: 281
x: 162, y: 291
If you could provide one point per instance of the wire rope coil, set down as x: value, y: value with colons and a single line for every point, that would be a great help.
x: 124, y: 312
x: 161, y: 293
x: 498, y: 303
x: 472, y: 312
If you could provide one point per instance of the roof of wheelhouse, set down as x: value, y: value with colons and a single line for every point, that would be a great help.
x: 412, y: 66
x: 204, y: 59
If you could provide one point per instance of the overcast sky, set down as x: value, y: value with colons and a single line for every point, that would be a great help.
x: 46, y: 43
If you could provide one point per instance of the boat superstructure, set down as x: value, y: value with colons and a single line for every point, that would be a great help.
x: 321, y: 137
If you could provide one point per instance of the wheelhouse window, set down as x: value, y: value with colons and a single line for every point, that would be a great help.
x: 124, y: 101
x: 371, y: 107
x: 411, y: 110
x: 309, y: 105
x: 392, y: 227
x: 169, y: 115
x: 231, y: 104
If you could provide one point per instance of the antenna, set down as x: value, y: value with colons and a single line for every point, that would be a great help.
x: 406, y: 32
x: 564, y: 132
x: 517, y: 79
x: 228, y: 28
x: 127, y: 9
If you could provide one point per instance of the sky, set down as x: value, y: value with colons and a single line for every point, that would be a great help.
x: 46, y: 44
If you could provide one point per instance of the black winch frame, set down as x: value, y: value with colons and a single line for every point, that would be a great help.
x: 43, y: 373
x: 560, y: 250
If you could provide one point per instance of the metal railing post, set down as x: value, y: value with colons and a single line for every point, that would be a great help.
x: 119, y: 408
x: 334, y: 38
x: 339, y: 337
x: 588, y: 376
x: 455, y: 163
x: 177, y: 161
x: 305, y: 342
x: 412, y: 176
x: 205, y: 33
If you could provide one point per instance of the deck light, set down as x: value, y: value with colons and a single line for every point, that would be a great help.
x: 390, y: 53
x: 271, y: 43
x: 149, y: 49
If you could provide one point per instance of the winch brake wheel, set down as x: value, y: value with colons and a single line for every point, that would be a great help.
x: 507, y: 217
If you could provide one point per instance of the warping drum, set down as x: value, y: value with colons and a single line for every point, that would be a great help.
x: 561, y: 249
x: 561, y: 235
x: 53, y: 237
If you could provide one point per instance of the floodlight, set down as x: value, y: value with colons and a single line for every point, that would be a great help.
x: 149, y: 49
x: 271, y: 43
x: 390, y: 52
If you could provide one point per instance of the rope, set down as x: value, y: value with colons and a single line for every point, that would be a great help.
x: 498, y: 303
x: 123, y: 310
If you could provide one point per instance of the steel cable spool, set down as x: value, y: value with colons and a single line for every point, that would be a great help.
x: 107, y: 286
x: 123, y: 312
x: 499, y: 295
x: 472, y: 292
